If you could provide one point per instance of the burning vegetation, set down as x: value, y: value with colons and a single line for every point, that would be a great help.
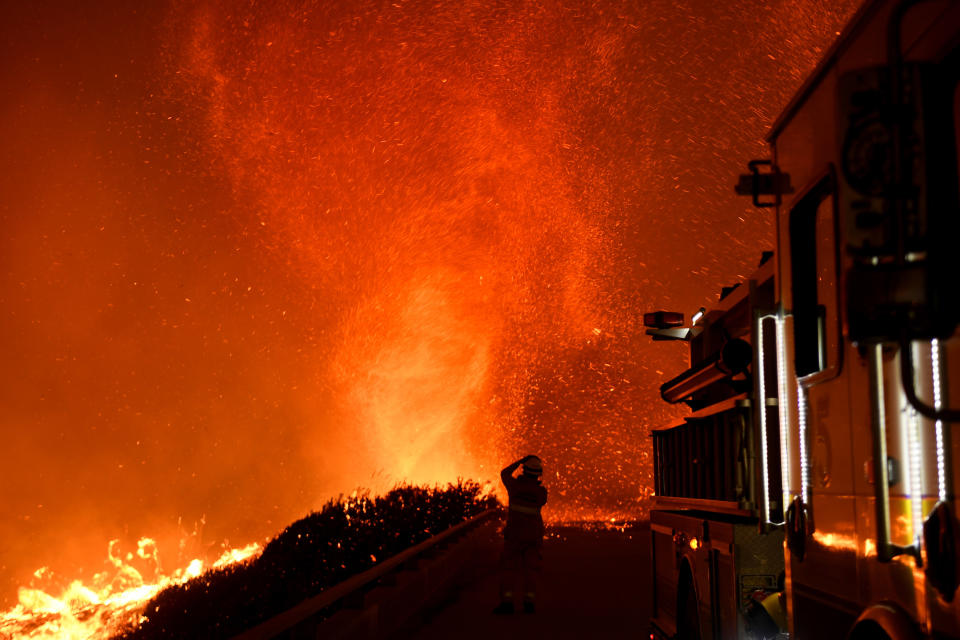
x: 257, y: 255
x: 246, y: 586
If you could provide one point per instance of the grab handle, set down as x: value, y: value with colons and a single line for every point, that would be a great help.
x: 886, y: 549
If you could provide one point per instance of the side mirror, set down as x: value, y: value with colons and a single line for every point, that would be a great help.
x: 897, y: 196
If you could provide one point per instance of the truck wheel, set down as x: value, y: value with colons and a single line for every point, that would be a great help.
x: 688, y: 613
x: 869, y: 630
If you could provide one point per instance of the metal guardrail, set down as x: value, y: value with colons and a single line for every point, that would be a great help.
x: 288, y: 619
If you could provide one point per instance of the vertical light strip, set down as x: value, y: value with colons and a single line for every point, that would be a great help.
x: 914, y: 450
x: 762, y: 402
x: 936, y: 364
x: 802, y: 432
x: 784, y: 408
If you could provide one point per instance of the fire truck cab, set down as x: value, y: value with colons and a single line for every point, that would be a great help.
x: 855, y: 377
x: 868, y: 356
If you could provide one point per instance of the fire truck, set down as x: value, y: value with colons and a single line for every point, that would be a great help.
x: 811, y: 491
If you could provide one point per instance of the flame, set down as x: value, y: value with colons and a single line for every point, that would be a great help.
x: 233, y: 556
x: 414, y: 394
x: 114, y: 600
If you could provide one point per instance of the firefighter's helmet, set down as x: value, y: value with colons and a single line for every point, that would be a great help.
x: 532, y: 466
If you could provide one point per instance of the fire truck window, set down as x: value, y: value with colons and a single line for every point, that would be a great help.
x: 826, y: 283
x: 813, y: 267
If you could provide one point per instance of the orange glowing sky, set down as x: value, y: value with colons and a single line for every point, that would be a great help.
x: 255, y: 255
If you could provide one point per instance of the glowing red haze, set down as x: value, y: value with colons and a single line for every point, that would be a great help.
x: 254, y: 255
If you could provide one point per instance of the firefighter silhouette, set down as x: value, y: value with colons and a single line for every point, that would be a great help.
x: 523, y: 535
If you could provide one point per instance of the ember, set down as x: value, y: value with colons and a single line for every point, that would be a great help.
x: 254, y: 256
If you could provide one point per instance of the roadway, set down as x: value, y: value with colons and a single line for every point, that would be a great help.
x: 594, y: 584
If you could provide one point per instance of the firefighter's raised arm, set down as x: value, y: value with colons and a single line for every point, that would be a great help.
x: 507, y: 474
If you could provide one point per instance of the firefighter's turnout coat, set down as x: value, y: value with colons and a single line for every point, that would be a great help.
x: 526, y: 497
